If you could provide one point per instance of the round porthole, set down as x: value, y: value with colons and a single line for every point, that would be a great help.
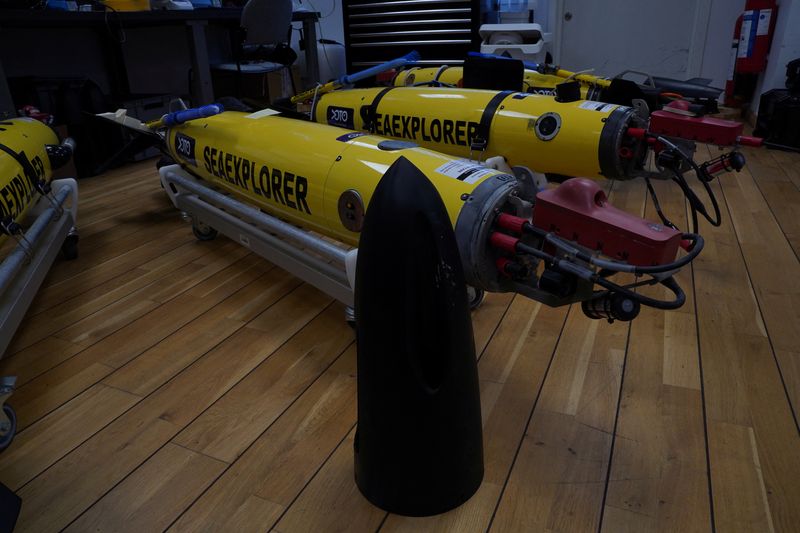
x: 351, y: 210
x: 547, y: 126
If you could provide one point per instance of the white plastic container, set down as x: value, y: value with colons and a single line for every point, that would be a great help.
x: 521, y: 41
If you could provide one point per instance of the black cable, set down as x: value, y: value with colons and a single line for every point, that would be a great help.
x: 695, y: 203
x: 530, y: 250
x: 120, y: 35
x: 433, y: 83
x: 670, y: 283
x: 653, y: 196
x: 636, y: 284
x: 697, y: 245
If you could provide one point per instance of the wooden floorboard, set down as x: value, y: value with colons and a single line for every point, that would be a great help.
x: 170, y: 384
x: 658, y: 479
x: 752, y: 433
x: 558, y: 476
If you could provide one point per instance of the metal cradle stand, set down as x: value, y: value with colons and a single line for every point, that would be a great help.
x: 419, y: 442
x: 313, y: 259
x: 22, y: 272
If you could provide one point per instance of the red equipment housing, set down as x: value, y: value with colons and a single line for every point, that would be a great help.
x: 578, y: 210
x: 700, y: 129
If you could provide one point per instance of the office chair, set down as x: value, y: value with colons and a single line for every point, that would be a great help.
x: 262, y: 43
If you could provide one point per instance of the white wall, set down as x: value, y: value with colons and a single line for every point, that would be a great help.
x: 719, y: 37
x: 712, y: 54
x: 330, y: 26
x: 708, y: 57
x: 785, y: 47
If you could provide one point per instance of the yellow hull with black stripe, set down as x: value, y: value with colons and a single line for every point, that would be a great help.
x: 23, y: 158
x: 301, y: 171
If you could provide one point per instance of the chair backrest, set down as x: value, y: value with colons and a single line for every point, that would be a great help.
x: 267, y: 21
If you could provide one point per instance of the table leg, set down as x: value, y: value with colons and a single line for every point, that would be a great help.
x: 312, y: 57
x: 202, y: 89
x: 6, y: 103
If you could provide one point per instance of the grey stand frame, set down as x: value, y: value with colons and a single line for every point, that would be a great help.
x: 23, y: 271
x: 315, y: 260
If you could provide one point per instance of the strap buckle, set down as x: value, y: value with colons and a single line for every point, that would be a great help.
x: 478, y: 144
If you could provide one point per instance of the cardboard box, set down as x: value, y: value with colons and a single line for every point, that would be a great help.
x: 265, y: 88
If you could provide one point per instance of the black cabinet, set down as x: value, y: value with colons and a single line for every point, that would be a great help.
x: 442, y: 31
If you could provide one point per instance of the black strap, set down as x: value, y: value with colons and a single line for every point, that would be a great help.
x: 481, y: 139
x: 439, y: 74
x: 8, y: 225
x: 27, y: 167
x: 368, y: 112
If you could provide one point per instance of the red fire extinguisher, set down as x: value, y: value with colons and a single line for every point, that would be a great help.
x: 752, y: 37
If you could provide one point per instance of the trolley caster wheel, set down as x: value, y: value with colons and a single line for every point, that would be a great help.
x: 475, y: 297
x: 7, y: 429
x: 350, y: 317
x: 70, y: 247
x: 203, y: 232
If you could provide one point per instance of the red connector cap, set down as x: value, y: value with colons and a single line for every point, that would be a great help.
x: 502, y: 263
x: 511, y: 223
x: 504, y: 242
x: 746, y: 140
x: 637, y: 133
x: 386, y: 76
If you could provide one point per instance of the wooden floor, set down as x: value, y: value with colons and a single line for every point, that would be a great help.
x: 166, y: 383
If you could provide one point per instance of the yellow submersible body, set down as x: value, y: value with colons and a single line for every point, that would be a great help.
x: 580, y: 138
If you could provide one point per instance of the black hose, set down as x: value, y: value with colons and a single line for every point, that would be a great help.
x: 696, y: 205
x: 653, y: 196
x: 696, y: 248
x: 616, y: 266
x: 670, y: 283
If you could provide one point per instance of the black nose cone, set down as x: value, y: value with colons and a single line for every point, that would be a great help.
x: 418, y: 448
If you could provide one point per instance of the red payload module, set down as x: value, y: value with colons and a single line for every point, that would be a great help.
x: 581, y: 206
x: 701, y: 129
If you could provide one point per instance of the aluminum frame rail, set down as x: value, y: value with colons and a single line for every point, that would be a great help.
x: 22, y: 271
x: 313, y: 259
